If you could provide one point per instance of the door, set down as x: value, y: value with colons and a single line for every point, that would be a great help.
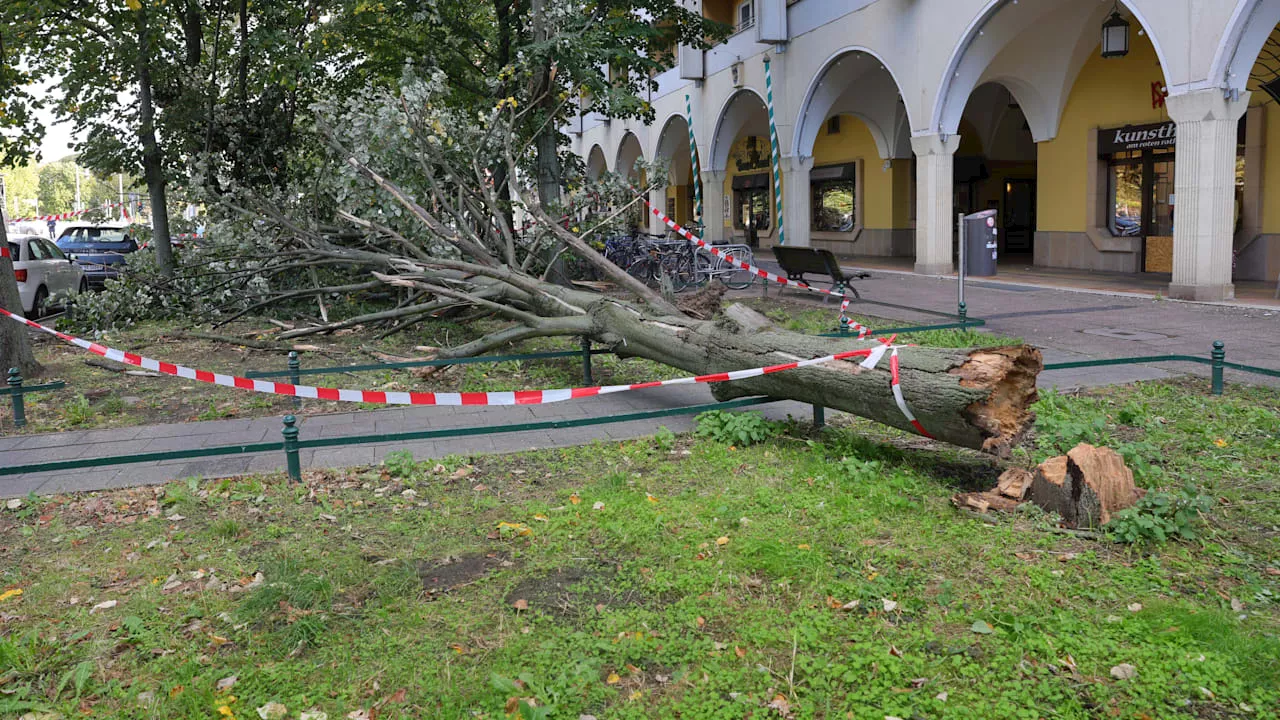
x: 1019, y: 216
x: 40, y: 266
x: 62, y: 271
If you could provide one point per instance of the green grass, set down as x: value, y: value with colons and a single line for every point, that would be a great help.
x: 828, y: 571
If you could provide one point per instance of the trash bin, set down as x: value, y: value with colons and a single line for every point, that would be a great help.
x: 980, y: 233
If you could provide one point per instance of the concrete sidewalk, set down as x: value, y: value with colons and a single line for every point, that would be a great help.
x: 1066, y: 325
x: 29, y: 449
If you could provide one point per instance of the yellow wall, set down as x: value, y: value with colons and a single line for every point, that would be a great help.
x: 1264, y: 70
x: 854, y: 142
x: 1108, y: 93
x: 719, y: 10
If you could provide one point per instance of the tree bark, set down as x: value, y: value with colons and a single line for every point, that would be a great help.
x: 152, y: 157
x: 976, y: 398
x: 15, y: 346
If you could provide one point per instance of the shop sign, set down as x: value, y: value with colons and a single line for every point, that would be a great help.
x: 1137, y: 137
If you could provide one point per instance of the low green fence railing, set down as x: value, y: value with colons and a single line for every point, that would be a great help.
x: 18, y: 392
x: 292, y: 444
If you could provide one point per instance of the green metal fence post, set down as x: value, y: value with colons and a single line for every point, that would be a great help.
x: 294, y: 377
x: 963, y: 311
x: 586, y: 362
x: 19, y: 407
x: 290, y: 433
x: 844, y: 325
x: 1219, y: 354
x: 819, y: 417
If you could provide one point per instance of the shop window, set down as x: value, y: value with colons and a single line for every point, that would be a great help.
x: 834, y: 201
x: 751, y: 207
x: 1140, y: 193
x: 751, y: 202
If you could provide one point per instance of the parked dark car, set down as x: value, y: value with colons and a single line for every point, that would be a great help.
x: 100, y: 249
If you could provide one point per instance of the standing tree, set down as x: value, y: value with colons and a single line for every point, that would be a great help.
x: 108, y: 63
x: 15, y: 346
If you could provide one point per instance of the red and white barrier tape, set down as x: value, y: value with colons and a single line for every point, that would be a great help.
x: 871, y: 358
x: 862, y: 330
x: 896, y: 380
x: 67, y: 215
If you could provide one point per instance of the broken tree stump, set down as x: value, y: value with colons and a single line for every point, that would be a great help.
x: 1085, y: 486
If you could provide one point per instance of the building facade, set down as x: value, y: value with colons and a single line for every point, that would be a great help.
x: 892, y: 116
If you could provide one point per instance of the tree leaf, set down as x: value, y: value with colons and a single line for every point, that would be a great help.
x: 981, y: 627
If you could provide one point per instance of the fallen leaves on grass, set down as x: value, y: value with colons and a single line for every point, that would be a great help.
x: 104, y: 605
x: 273, y: 711
x: 575, y: 499
x: 519, y: 529
x: 11, y: 593
x: 520, y: 604
x: 1124, y: 671
x: 227, y: 683
x: 722, y: 540
x: 981, y: 627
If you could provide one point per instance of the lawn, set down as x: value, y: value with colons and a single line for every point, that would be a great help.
x: 805, y: 576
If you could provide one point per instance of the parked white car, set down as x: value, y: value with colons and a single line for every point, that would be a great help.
x: 43, y: 271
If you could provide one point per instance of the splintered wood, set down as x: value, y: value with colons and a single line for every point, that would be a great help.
x: 1084, y: 487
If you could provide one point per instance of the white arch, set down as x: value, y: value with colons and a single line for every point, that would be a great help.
x: 673, y: 145
x: 1246, y: 33
x: 629, y: 151
x: 736, y: 113
x: 825, y: 96
x: 968, y: 63
x: 596, y: 163
x: 878, y: 104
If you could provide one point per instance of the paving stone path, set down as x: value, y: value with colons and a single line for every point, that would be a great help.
x: 1067, y: 325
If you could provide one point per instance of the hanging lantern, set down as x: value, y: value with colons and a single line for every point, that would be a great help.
x: 1115, y: 36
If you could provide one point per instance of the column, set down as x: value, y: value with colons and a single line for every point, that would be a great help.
x: 1204, y: 182
x: 657, y: 198
x: 934, y: 218
x: 713, y: 204
x: 796, y: 199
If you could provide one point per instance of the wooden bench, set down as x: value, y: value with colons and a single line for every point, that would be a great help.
x: 796, y: 262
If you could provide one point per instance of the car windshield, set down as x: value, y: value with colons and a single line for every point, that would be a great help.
x: 14, y: 251
x: 94, y: 238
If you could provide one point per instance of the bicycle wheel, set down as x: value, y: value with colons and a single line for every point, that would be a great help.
x: 678, y: 268
x: 734, y: 277
x: 646, y: 270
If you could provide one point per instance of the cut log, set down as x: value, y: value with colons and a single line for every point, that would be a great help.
x: 1085, y: 486
x: 976, y: 398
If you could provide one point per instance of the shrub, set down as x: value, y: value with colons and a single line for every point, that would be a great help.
x: 1161, y: 516
x: 742, y: 429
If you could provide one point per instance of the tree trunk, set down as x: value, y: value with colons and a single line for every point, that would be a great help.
x: 152, y: 158
x: 546, y: 144
x: 976, y: 398
x: 15, y: 346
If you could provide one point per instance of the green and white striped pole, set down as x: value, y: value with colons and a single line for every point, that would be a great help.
x: 776, y: 154
x: 693, y: 160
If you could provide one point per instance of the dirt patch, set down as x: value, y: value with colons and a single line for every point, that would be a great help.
x: 454, y: 572
x: 574, y: 591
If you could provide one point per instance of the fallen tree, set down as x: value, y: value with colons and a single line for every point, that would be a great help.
x: 461, y: 251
